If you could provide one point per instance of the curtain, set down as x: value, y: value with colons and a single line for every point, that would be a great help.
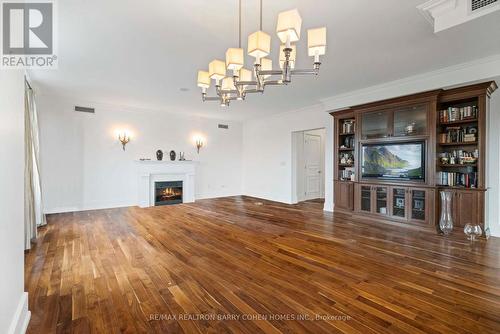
x: 33, y: 205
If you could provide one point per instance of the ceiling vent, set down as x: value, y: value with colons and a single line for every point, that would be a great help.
x: 480, y: 4
x: 446, y: 14
x: 223, y: 126
x: 85, y: 109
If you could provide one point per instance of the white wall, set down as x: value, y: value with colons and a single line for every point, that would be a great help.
x: 13, y: 301
x: 84, y: 166
x: 267, y: 154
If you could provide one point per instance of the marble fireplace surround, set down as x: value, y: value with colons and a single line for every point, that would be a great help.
x: 151, y: 171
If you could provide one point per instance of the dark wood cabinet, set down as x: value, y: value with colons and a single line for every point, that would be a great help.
x: 404, y: 204
x: 452, y: 126
x: 420, y: 205
x: 467, y: 208
x: 372, y: 199
x: 344, y: 195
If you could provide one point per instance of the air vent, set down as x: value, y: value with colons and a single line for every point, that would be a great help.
x: 479, y: 4
x: 85, y: 109
x: 223, y: 126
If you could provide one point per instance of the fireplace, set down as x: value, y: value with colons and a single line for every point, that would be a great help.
x: 168, y: 193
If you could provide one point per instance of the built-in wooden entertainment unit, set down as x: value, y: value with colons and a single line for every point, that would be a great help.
x: 441, y: 132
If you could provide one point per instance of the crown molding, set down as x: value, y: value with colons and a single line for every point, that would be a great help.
x: 446, y: 14
x: 448, y: 77
x: 434, y: 8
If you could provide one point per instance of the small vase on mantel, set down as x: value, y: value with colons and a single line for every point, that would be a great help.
x: 159, y: 155
x: 446, y: 220
x: 172, y: 155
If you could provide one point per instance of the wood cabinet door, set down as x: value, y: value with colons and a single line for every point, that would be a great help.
x: 466, y: 208
x: 398, y: 203
x: 363, y: 198
x: 344, y: 195
x: 419, y: 205
x: 380, y: 196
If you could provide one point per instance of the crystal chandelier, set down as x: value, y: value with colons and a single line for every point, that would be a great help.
x: 244, y: 81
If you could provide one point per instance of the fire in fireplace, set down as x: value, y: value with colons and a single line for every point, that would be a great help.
x: 168, y: 193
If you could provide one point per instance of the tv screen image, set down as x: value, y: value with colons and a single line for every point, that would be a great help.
x: 394, y: 161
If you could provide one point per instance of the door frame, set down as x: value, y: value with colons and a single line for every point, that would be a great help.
x: 297, y: 158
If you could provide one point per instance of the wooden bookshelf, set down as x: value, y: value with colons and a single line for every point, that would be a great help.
x: 442, y: 119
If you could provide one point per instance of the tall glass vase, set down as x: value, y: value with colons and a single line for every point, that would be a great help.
x: 446, y: 221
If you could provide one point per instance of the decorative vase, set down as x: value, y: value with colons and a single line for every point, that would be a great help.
x: 159, y: 155
x: 172, y: 155
x: 472, y: 231
x: 446, y: 220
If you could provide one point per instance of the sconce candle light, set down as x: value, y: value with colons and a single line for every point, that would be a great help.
x: 199, y: 143
x: 124, y: 138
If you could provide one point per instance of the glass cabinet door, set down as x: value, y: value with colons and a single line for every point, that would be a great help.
x: 375, y: 125
x: 418, y: 208
x: 381, y: 200
x: 399, y: 202
x: 366, y: 198
x: 410, y: 121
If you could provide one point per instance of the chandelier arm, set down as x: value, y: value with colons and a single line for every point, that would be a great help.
x: 274, y: 83
x: 229, y: 91
x: 304, y: 72
x: 204, y: 97
x: 271, y: 72
x: 253, y: 90
x: 246, y: 83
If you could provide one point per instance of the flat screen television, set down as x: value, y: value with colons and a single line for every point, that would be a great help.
x: 402, y: 161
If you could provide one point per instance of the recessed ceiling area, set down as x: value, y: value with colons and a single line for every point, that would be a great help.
x: 144, y: 54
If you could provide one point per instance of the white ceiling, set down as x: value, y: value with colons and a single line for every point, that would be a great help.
x: 141, y: 53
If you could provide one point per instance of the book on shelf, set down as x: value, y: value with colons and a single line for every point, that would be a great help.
x: 347, y: 174
x: 454, y: 114
x: 455, y: 179
x: 457, y: 134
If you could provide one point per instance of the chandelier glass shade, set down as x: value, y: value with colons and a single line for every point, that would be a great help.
x: 235, y: 59
x: 289, y: 24
x: 217, y: 70
x: 259, y: 44
x: 244, y: 81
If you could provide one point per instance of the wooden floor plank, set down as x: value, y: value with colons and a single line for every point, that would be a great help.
x: 245, y: 265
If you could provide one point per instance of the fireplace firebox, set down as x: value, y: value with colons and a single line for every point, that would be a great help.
x: 168, y: 193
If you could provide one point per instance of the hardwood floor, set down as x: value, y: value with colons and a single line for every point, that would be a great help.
x: 242, y: 265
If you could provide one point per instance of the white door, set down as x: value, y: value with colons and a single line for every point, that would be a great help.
x: 313, y: 168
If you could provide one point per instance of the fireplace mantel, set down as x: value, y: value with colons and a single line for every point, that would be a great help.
x: 151, y: 171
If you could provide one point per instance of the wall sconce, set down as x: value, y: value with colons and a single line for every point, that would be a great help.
x: 124, y: 138
x: 199, y: 143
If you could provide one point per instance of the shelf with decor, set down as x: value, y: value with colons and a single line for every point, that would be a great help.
x: 346, y: 139
x: 409, y: 149
x: 458, y: 134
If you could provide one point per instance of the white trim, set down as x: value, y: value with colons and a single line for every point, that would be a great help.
x: 22, y: 317
x: 433, y: 8
x: 477, y: 70
x: 89, y: 207
x: 446, y: 14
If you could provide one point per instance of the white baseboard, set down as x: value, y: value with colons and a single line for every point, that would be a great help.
x: 208, y: 196
x: 21, y: 319
x: 100, y: 206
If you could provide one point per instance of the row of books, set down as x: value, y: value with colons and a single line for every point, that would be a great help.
x: 456, y: 135
x: 347, y: 174
x: 454, y: 114
x: 455, y: 179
